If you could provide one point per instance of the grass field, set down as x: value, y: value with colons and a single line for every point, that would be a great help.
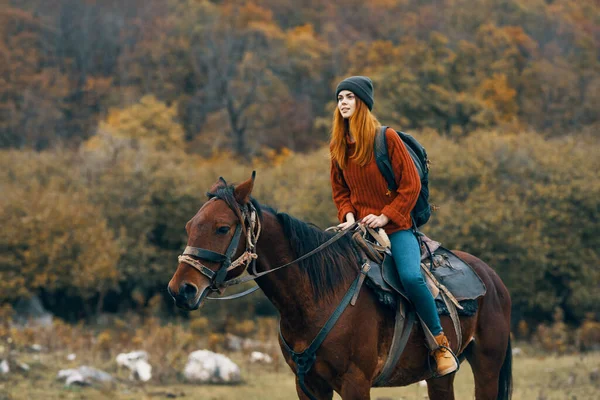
x: 535, y: 378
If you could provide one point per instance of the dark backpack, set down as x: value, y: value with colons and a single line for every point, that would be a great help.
x: 422, y: 210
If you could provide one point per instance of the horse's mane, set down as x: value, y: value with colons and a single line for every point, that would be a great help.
x: 326, y: 270
x: 329, y: 268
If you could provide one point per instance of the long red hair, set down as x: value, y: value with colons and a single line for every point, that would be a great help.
x: 363, y: 126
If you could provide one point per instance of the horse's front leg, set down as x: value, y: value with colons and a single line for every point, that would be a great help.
x: 317, y: 387
x: 355, y: 385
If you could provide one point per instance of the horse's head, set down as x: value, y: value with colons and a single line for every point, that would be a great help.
x: 217, y: 237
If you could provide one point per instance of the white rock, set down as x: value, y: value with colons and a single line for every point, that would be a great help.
x: 72, y: 357
x: 233, y: 343
x: 207, y: 367
x: 137, y: 363
x: 31, y: 312
x: 125, y: 359
x: 95, y: 374
x: 76, y: 379
x: 4, y: 368
x: 83, y: 375
x: 143, y: 371
x: 258, y: 357
x: 72, y: 377
x: 237, y: 343
x: 36, y: 347
x: 517, y: 351
x: 63, y: 373
x: 24, y: 367
x: 248, y: 344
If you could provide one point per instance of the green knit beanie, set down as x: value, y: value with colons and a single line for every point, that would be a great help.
x: 361, y: 86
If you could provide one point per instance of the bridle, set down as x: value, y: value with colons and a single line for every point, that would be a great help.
x: 217, y: 280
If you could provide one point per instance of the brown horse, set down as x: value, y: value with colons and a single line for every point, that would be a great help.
x: 306, y: 293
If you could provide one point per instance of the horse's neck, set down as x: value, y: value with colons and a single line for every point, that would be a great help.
x: 288, y: 289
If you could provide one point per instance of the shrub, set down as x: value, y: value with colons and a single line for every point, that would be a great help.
x: 589, y: 334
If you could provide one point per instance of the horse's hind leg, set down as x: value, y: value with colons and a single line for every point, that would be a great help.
x: 486, y: 365
x: 490, y: 357
x: 441, y: 388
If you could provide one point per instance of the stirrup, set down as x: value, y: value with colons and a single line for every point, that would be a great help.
x: 434, y: 371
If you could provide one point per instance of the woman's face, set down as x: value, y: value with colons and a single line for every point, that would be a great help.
x: 346, y: 103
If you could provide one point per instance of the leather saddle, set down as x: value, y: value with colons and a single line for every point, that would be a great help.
x: 446, y: 268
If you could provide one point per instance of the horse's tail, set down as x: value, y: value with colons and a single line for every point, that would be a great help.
x: 505, y: 378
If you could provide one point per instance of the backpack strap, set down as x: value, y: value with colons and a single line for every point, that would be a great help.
x: 382, y: 159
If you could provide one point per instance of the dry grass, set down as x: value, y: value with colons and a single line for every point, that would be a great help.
x: 536, y: 377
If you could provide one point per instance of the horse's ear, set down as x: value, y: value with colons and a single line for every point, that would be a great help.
x: 218, y: 184
x: 243, y: 190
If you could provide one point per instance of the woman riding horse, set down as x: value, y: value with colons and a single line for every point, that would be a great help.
x: 360, y: 190
x: 232, y: 230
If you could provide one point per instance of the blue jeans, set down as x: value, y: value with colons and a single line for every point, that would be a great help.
x: 407, y: 256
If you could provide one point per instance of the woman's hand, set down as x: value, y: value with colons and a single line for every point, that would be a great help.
x: 374, y: 221
x: 349, y: 221
x: 345, y: 225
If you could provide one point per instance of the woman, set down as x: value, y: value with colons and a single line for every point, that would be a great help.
x: 360, y: 191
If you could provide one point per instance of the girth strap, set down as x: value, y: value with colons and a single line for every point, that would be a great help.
x: 402, y: 332
x: 305, y: 360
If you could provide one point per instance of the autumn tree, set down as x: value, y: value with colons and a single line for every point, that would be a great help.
x: 526, y: 206
x: 32, y: 88
x: 149, y: 123
x: 54, y: 242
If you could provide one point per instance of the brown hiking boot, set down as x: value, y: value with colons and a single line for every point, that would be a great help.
x: 444, y: 359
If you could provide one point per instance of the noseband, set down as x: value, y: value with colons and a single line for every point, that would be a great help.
x: 217, y: 278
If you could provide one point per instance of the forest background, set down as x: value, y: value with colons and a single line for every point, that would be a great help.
x: 116, y: 117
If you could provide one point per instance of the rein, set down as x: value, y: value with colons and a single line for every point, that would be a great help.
x: 328, y: 243
x: 217, y: 279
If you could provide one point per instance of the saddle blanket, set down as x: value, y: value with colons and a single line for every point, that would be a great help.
x: 452, y: 272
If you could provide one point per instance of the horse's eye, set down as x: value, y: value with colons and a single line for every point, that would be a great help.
x: 223, y: 230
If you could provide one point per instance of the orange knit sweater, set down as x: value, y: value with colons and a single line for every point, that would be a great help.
x: 362, y: 190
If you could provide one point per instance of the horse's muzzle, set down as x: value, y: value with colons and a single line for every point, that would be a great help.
x: 187, y: 297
